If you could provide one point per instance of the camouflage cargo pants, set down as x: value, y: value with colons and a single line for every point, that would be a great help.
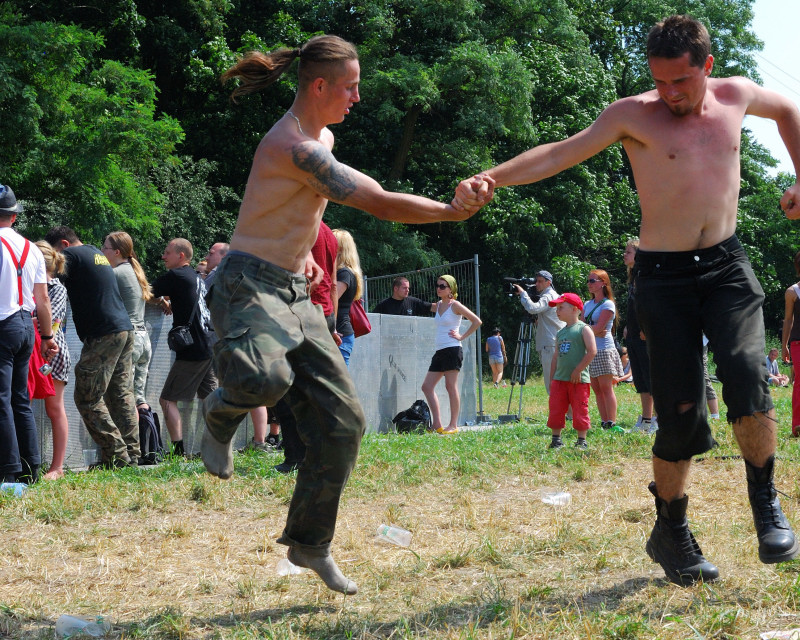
x: 104, y: 395
x: 273, y: 342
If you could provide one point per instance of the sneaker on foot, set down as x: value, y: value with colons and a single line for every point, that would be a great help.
x: 287, y: 467
x: 580, y: 443
x: 556, y: 443
x: 273, y: 440
x: 257, y: 446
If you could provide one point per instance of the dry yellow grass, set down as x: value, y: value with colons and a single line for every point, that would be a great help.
x: 177, y: 554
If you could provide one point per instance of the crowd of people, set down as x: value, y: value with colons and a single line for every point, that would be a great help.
x: 691, y: 278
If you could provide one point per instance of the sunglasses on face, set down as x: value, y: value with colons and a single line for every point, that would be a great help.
x: 442, y: 286
x: 593, y: 280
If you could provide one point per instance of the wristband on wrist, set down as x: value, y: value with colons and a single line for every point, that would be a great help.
x: 46, y: 337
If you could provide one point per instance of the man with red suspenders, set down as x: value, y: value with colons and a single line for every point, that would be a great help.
x: 23, y: 287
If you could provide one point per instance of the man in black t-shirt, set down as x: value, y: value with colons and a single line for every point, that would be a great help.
x: 104, y: 373
x: 191, y: 373
x: 402, y: 304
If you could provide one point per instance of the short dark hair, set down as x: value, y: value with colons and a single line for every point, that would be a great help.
x: 57, y: 234
x: 398, y: 282
x: 676, y: 35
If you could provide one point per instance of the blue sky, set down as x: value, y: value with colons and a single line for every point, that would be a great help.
x: 774, y: 23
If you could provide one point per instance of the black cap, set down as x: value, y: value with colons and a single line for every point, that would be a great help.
x: 8, y: 201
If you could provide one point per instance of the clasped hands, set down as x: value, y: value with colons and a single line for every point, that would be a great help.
x: 473, y: 193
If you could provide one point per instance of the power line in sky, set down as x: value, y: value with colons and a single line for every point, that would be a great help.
x: 776, y: 79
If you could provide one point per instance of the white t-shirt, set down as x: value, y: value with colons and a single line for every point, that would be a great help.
x: 33, y: 272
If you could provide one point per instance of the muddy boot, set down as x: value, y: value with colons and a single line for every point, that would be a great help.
x: 673, y: 546
x: 776, y: 541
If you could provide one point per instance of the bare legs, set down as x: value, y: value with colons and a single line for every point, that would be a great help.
x: 259, y: 418
x: 429, y: 389
x: 756, y: 436
x: 603, y: 387
x: 173, y: 419
x: 54, y: 406
x: 497, y: 372
x: 647, y: 404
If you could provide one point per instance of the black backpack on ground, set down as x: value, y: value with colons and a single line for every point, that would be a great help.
x: 415, y: 419
x: 150, y: 437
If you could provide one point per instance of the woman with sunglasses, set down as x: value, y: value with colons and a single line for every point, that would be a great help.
x: 599, y: 312
x: 446, y: 362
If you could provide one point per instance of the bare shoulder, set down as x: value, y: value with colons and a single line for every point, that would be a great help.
x: 735, y: 89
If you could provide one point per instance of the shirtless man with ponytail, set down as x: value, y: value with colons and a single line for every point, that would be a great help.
x: 273, y: 343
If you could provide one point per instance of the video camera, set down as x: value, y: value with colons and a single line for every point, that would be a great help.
x: 528, y: 284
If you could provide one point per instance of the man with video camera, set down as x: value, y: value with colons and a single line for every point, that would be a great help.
x: 548, y: 324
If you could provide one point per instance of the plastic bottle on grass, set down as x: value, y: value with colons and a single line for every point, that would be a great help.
x: 67, y: 626
x: 394, y: 535
x: 556, y: 498
x: 17, y: 489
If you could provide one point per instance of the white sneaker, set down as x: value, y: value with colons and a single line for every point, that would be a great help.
x: 654, y: 424
x: 638, y: 425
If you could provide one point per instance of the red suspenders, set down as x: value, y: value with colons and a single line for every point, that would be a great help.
x: 18, y: 264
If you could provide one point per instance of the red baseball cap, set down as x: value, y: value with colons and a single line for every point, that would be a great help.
x: 572, y: 298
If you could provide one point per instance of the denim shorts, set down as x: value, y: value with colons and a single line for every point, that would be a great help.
x: 680, y: 296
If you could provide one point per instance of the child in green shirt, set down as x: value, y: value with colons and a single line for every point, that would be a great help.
x: 569, y: 386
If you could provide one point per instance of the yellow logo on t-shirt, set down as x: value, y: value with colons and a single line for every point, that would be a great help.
x: 99, y: 258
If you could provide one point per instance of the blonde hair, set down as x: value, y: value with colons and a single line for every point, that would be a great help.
x: 55, y: 263
x: 348, y: 257
x: 122, y: 242
x: 632, y: 242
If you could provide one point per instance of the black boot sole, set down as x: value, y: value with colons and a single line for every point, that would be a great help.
x: 775, y: 558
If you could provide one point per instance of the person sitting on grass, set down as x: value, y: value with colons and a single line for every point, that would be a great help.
x: 627, y: 372
x: 774, y: 376
x: 569, y: 379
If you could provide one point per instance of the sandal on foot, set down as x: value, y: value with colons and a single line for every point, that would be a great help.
x: 446, y: 432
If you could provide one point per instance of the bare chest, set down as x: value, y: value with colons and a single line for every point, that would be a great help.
x: 673, y: 143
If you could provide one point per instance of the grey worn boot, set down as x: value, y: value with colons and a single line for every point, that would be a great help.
x: 673, y: 546
x: 776, y: 540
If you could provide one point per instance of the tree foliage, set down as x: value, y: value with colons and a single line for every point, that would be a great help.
x: 116, y: 118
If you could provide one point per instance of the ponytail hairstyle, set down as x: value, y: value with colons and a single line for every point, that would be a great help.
x: 348, y: 257
x: 322, y: 56
x: 122, y: 242
x: 55, y: 263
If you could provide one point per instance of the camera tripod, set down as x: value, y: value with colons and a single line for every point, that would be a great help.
x: 519, y: 370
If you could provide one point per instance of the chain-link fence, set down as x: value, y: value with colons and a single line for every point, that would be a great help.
x: 422, y: 284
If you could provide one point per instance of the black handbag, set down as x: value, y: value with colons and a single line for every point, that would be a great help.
x: 180, y: 337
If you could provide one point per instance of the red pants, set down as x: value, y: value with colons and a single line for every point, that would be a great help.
x: 564, y: 395
x: 794, y: 351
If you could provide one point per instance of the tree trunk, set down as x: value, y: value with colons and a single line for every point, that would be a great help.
x: 405, y: 143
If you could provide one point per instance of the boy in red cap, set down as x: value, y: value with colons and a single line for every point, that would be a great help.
x: 569, y: 386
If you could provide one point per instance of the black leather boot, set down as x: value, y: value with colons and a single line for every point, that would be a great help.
x: 776, y: 540
x: 673, y: 546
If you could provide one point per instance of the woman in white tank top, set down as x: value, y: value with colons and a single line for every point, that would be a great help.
x: 446, y: 362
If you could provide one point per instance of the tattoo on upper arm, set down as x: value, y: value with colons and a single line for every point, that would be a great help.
x: 331, y: 178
